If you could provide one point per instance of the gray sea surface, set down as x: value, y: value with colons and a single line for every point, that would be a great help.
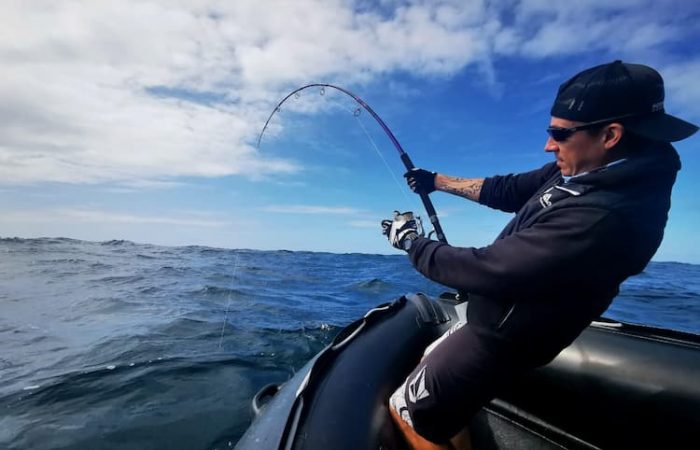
x: 117, y: 345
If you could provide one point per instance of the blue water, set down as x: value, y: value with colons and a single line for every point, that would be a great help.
x: 121, y: 345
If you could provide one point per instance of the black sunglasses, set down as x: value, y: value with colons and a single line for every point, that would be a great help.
x: 560, y: 134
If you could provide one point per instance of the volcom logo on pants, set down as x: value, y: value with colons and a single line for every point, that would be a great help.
x: 416, y: 388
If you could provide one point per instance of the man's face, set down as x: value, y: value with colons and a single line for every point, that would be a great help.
x: 580, y: 153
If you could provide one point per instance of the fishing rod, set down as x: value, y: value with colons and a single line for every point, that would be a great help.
x: 427, y: 204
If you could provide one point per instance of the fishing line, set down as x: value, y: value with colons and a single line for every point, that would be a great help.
x: 357, y: 114
x: 411, y: 201
x: 430, y: 209
x: 228, y: 302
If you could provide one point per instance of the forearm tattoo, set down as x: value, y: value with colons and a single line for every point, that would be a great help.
x: 464, y: 187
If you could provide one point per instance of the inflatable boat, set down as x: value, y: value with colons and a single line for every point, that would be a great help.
x: 617, y: 386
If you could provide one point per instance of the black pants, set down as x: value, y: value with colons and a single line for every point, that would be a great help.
x: 459, y: 374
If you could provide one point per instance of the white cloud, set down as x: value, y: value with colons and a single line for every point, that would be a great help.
x: 312, y: 209
x: 87, y: 215
x: 683, y: 89
x: 84, y: 86
x: 77, y: 100
x: 365, y: 224
x: 545, y: 28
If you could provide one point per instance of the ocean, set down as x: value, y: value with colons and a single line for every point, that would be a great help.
x: 117, y: 345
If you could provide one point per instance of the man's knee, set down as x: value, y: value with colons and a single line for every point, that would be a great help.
x: 454, y: 380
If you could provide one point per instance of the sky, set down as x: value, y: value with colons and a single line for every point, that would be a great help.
x: 139, y: 120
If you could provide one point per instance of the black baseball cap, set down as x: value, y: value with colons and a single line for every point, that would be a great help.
x: 632, y: 94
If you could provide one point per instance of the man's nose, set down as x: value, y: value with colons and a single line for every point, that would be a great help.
x: 551, y: 145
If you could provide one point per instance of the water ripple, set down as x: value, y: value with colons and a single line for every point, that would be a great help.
x: 120, y: 345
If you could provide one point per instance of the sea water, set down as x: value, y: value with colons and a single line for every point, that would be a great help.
x: 121, y: 345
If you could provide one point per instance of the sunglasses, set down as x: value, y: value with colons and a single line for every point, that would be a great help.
x: 561, y: 134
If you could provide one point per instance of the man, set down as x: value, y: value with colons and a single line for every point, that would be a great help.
x: 583, y: 224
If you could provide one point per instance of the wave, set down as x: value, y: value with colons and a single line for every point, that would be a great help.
x: 101, y: 383
x: 39, y: 241
x: 173, y: 269
x: 117, y: 243
x: 150, y: 290
x: 218, y: 291
x: 62, y: 261
x: 162, y: 341
x: 120, y: 279
x: 375, y: 284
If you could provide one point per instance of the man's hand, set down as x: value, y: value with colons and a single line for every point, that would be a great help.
x: 402, y: 229
x: 420, y: 181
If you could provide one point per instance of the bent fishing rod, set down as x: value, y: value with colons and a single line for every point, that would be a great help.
x: 427, y: 203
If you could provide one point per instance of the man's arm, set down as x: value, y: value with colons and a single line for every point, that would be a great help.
x: 507, y: 193
x: 563, y: 249
x: 469, y: 188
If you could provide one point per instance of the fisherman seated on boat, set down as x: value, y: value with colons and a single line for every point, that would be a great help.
x: 583, y: 224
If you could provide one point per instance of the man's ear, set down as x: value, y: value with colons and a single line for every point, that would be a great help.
x: 612, y: 135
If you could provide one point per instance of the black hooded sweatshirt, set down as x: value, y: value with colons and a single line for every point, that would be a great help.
x: 559, y: 263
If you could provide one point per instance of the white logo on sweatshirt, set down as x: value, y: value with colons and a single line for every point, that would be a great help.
x: 545, y: 200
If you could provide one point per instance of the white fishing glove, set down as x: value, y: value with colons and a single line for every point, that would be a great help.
x: 402, y: 230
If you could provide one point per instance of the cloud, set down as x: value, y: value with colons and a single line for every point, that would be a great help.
x: 543, y: 28
x: 138, y: 92
x: 311, y: 209
x: 132, y: 91
x: 365, y: 224
x: 85, y: 215
x: 681, y: 81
